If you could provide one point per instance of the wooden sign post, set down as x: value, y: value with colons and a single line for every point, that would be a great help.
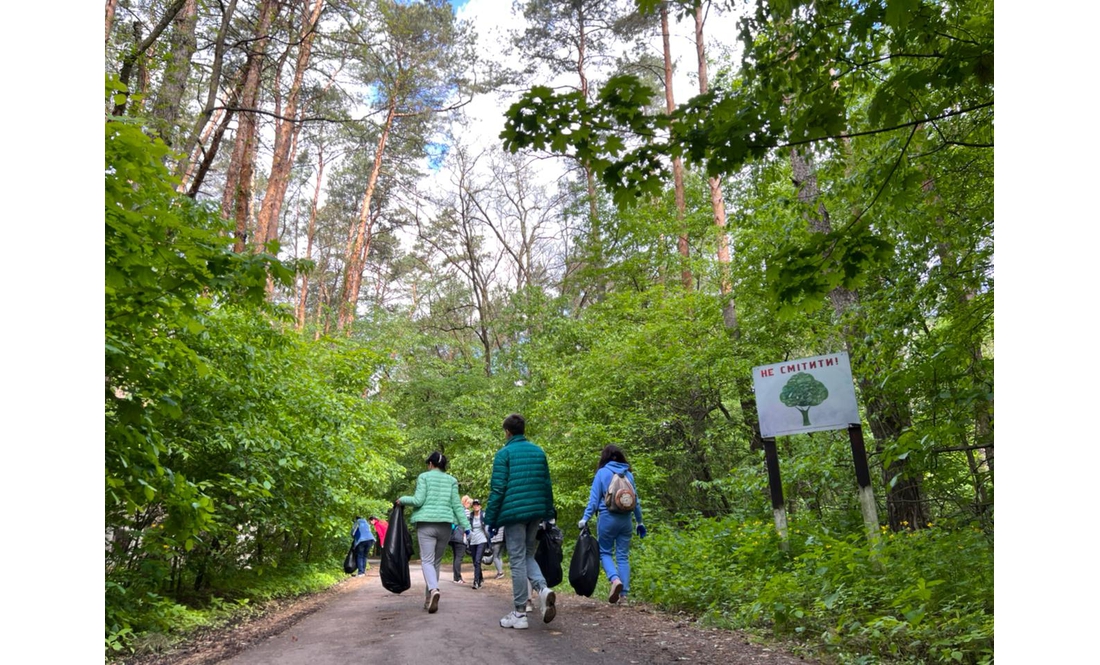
x: 863, y: 479
x: 775, y: 484
x: 811, y: 395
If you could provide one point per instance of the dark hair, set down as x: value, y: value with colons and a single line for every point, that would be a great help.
x: 358, y: 517
x: 438, y: 459
x: 515, y: 424
x: 372, y: 518
x: 611, y: 453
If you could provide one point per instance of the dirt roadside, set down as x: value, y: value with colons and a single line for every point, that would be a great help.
x: 359, y: 621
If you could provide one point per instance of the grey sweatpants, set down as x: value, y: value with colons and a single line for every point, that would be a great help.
x: 432, y: 537
x: 520, y: 540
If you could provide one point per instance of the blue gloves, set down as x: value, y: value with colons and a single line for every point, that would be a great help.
x: 641, y: 531
x: 492, y: 531
x: 467, y: 533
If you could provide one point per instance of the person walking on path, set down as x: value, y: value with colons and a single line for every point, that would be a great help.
x: 362, y: 540
x: 613, y: 529
x: 521, y: 496
x: 478, y: 539
x: 435, y: 506
x: 458, y: 542
x: 380, y: 526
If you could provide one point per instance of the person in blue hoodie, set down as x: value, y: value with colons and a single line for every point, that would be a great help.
x: 362, y: 540
x: 613, y: 529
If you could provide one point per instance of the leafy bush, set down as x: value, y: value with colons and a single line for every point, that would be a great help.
x: 919, y: 597
x: 235, y: 451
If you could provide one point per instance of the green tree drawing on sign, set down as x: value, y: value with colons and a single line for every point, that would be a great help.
x: 803, y: 391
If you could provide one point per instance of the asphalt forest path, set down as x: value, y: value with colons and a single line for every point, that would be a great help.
x: 364, y: 623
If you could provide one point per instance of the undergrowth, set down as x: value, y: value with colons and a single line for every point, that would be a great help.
x: 155, y: 623
x: 921, y: 596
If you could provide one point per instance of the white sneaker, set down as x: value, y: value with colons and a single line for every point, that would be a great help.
x: 547, y: 597
x: 433, y: 602
x: 513, y: 620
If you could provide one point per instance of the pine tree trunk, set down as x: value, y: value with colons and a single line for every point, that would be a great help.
x: 682, y: 245
x: 717, y: 201
x: 135, y: 57
x: 109, y: 19
x: 360, y: 238
x: 304, y: 292
x: 181, y: 48
x: 237, y: 199
x: 286, y: 131
x: 205, y: 121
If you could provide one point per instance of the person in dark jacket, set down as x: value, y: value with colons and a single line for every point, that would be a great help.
x: 520, y: 497
x: 362, y: 540
x: 613, y: 530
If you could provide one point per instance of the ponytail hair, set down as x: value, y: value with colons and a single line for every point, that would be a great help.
x: 438, y: 460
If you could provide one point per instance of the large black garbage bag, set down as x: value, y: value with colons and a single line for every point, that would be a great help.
x: 548, y: 553
x: 396, y: 552
x: 350, y: 564
x: 584, y: 567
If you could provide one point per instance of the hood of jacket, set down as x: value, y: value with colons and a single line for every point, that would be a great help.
x: 617, y: 467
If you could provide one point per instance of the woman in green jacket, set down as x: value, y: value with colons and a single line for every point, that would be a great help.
x: 436, y: 507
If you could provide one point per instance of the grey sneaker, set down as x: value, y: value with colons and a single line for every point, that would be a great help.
x: 433, y: 602
x: 547, y: 597
x: 514, y: 620
x: 616, y: 589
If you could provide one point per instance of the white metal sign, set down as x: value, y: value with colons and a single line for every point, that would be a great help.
x: 805, y: 395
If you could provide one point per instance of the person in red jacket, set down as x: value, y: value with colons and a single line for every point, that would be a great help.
x: 380, y: 527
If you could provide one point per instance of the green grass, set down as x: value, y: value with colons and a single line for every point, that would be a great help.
x: 157, y: 623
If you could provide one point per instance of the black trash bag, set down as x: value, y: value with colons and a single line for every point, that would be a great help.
x: 350, y: 564
x: 396, y: 552
x: 548, y: 553
x: 487, y: 555
x: 584, y: 567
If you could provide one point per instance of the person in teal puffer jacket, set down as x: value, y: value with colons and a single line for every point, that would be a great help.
x: 520, y: 497
x: 436, y: 507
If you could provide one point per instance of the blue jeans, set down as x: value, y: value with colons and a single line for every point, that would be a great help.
x: 361, y: 550
x: 614, y: 532
x: 520, y: 541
